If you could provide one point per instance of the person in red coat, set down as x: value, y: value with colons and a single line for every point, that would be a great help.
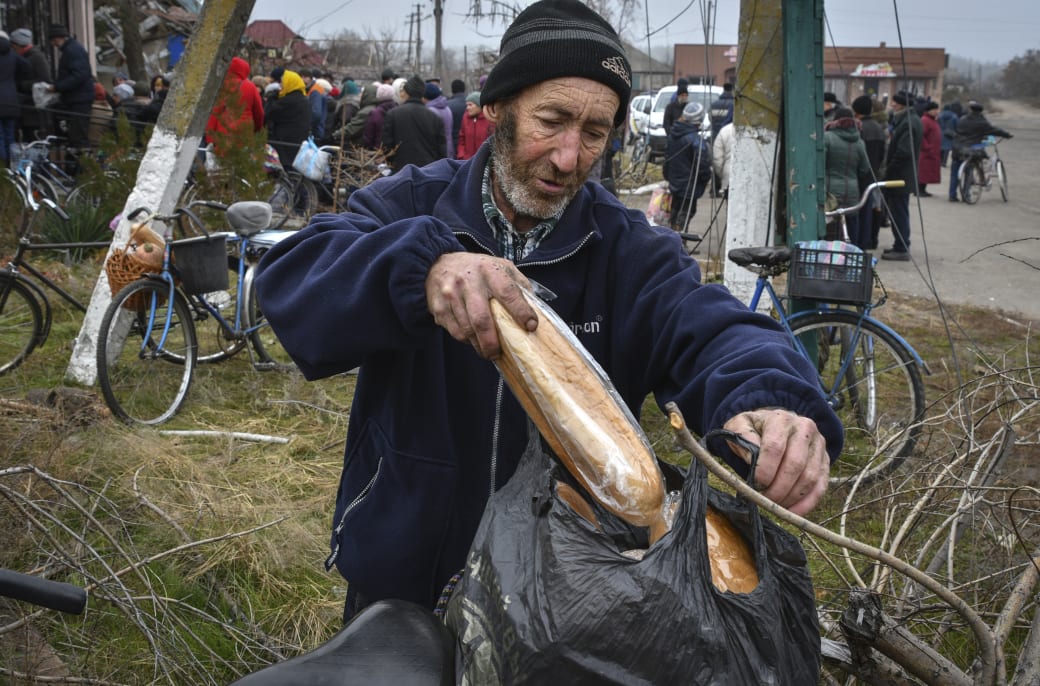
x: 929, y: 167
x: 474, y: 130
x: 230, y: 116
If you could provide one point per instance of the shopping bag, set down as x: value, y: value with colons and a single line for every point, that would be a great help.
x: 42, y: 97
x: 311, y: 161
x: 546, y: 597
x: 660, y: 209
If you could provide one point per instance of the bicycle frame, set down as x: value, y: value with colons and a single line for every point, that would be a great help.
x: 789, y: 322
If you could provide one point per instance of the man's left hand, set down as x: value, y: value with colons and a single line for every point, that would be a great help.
x: 793, y: 464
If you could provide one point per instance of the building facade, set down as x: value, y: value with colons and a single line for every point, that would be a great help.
x: 848, y: 72
x: 37, y: 15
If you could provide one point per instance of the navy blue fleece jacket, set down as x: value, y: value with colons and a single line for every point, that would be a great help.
x: 433, y: 430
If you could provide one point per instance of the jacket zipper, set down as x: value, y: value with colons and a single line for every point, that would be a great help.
x: 331, y: 560
x: 544, y: 263
x: 493, y: 469
x: 501, y: 382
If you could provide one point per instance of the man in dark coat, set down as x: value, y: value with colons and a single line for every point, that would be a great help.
x: 412, y: 134
x: 32, y: 119
x: 75, y: 84
x: 687, y: 166
x: 411, y: 267
x: 457, y: 106
x: 12, y: 67
x: 674, y: 109
x: 721, y: 111
x: 971, y: 129
x: 901, y: 165
x: 874, y: 137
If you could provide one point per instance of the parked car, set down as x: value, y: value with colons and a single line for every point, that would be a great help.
x: 639, y: 115
x: 698, y: 93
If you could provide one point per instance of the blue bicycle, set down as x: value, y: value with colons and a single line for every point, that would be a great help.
x: 148, y: 344
x: 869, y: 373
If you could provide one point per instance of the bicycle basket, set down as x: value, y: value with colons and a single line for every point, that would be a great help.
x: 830, y: 271
x: 201, y: 263
x: 143, y: 254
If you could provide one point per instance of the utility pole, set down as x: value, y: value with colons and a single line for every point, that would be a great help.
x: 171, y: 150
x: 777, y: 72
x: 756, y: 121
x: 418, y: 39
x: 411, y: 26
x: 438, y: 49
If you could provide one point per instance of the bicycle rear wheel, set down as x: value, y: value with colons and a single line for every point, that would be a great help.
x: 305, y: 199
x: 972, y: 181
x: 146, y: 352
x: 281, y: 201
x: 216, y: 343
x: 21, y: 322
x: 878, y: 394
x: 269, y: 350
x: 1002, y: 180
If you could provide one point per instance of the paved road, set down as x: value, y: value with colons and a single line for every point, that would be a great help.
x: 986, y: 254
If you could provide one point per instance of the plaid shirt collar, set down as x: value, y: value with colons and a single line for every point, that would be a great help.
x: 512, y: 244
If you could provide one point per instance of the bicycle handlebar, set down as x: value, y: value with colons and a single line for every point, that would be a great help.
x: 55, y: 595
x: 863, y: 199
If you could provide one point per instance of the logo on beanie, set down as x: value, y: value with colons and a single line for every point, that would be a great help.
x: 616, y: 64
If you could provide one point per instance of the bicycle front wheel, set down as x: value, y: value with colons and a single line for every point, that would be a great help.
x: 873, y: 383
x: 146, y: 352
x: 269, y: 350
x: 21, y: 322
x: 1002, y: 180
x: 972, y: 180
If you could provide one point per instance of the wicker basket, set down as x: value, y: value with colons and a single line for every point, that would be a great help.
x: 142, y: 255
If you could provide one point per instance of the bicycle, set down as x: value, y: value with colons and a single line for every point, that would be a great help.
x: 979, y: 169
x: 45, y: 176
x: 25, y: 309
x: 870, y: 375
x: 148, y: 341
x: 391, y: 642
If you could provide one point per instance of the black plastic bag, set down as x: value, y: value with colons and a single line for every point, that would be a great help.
x: 546, y: 598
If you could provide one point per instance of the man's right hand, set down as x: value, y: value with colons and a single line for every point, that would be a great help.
x: 458, y: 288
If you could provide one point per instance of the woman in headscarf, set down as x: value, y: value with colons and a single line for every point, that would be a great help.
x: 289, y: 118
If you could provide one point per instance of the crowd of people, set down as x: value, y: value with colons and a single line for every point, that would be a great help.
x: 906, y: 138
x: 410, y: 119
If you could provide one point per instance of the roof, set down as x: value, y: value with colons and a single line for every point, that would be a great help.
x: 274, y: 34
x: 271, y: 33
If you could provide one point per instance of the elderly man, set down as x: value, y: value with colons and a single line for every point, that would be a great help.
x: 400, y: 286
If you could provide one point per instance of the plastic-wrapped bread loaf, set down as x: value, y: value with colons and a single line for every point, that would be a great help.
x: 579, y: 413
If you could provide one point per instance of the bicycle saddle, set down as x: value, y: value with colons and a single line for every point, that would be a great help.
x: 249, y: 217
x: 762, y: 255
x: 389, y: 643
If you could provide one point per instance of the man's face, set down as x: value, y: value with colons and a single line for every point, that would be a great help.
x: 546, y: 141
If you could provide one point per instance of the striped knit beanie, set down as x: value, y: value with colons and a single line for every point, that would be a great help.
x: 555, y: 39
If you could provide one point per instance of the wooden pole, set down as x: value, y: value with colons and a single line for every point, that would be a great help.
x: 171, y: 149
x: 756, y: 121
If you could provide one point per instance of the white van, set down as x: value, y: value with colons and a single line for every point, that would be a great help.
x: 705, y: 95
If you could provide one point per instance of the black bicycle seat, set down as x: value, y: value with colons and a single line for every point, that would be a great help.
x: 249, y: 217
x: 389, y: 643
x: 762, y: 255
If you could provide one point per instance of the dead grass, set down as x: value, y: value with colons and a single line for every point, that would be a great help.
x: 250, y: 597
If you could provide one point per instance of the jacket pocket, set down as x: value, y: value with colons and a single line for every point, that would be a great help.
x: 392, y: 514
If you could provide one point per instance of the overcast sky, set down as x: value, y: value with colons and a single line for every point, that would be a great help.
x: 993, y: 31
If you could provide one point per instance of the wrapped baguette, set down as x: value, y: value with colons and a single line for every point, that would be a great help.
x: 571, y: 400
